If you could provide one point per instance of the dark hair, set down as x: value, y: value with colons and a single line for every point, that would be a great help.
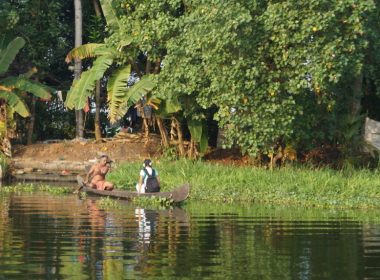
x: 147, y: 162
x: 106, y: 157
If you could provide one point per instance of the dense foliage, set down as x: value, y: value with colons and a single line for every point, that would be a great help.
x: 284, y: 72
x: 271, y: 73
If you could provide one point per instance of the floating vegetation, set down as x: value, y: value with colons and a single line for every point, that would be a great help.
x: 109, y: 203
x: 28, y: 188
x: 55, y: 190
x: 83, y: 195
x: 153, y: 201
x: 18, y: 188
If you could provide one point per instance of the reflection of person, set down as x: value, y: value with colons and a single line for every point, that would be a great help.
x: 144, y: 225
x: 97, y: 174
x: 148, y: 180
x: 147, y: 223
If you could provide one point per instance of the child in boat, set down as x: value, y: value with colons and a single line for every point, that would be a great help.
x: 97, y: 174
x: 148, y: 180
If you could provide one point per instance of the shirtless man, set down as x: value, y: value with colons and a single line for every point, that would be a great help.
x: 97, y: 174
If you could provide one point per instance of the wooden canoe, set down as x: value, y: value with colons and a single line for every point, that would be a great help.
x: 179, y: 194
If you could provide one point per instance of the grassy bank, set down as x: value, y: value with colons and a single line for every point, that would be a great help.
x: 292, y: 185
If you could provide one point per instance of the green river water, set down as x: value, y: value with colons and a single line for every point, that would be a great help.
x: 43, y: 236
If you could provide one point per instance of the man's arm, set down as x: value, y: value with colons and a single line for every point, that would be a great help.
x: 89, y: 174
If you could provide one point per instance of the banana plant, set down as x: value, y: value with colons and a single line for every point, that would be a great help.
x: 12, y: 88
x: 119, y: 94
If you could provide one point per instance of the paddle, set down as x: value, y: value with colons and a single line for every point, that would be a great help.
x: 81, y: 184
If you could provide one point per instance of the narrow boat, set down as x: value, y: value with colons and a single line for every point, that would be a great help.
x: 179, y: 194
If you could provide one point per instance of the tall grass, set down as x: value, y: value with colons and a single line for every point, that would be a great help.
x: 291, y: 185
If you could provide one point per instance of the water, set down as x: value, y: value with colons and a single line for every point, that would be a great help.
x: 43, y: 236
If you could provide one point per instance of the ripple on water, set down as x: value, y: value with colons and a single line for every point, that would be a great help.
x: 54, y: 237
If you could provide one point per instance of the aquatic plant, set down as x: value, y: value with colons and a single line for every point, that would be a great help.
x: 54, y: 189
x: 108, y: 203
x: 83, y: 195
x: 155, y: 201
x: 19, y: 188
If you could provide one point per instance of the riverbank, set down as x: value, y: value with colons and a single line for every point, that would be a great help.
x: 304, y: 186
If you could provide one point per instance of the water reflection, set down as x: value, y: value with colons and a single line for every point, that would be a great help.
x: 49, y: 237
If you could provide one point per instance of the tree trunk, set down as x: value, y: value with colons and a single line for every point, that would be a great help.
x: 98, y: 10
x: 98, y: 132
x: 5, y: 143
x: 357, y: 94
x: 31, y: 122
x: 148, y: 66
x: 146, y: 131
x: 78, y: 64
x: 220, y: 138
x: 163, y: 132
x: 192, y: 150
x: 181, y: 147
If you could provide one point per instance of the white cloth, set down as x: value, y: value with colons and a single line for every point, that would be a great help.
x: 143, y: 175
x: 142, y: 188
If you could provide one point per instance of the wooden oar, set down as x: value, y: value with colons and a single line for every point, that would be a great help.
x: 81, y: 184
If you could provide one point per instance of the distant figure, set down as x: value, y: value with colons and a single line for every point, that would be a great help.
x: 97, y: 175
x: 148, y: 181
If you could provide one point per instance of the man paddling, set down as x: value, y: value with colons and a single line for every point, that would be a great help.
x: 96, y: 177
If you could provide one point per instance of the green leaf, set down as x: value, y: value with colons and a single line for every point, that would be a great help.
x: 24, y: 84
x: 117, y: 89
x: 8, y: 55
x: 195, y: 127
x: 132, y: 96
x: 110, y: 14
x: 84, y: 51
x: 168, y: 107
x: 126, y: 41
x: 15, y: 102
x: 140, y: 89
x: 203, y: 144
x: 81, y: 89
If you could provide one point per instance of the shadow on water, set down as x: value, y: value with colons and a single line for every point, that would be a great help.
x: 58, y: 237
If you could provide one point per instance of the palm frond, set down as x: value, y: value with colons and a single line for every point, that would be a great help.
x: 119, y: 106
x: 15, y: 102
x: 81, y: 89
x: 23, y: 84
x: 110, y: 15
x: 83, y: 51
x: 117, y: 86
x: 5, y: 88
x: 8, y: 54
x: 140, y: 89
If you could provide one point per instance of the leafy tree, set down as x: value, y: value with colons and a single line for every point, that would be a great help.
x: 261, y: 63
x: 44, y: 25
x: 277, y: 71
x: 12, y: 89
